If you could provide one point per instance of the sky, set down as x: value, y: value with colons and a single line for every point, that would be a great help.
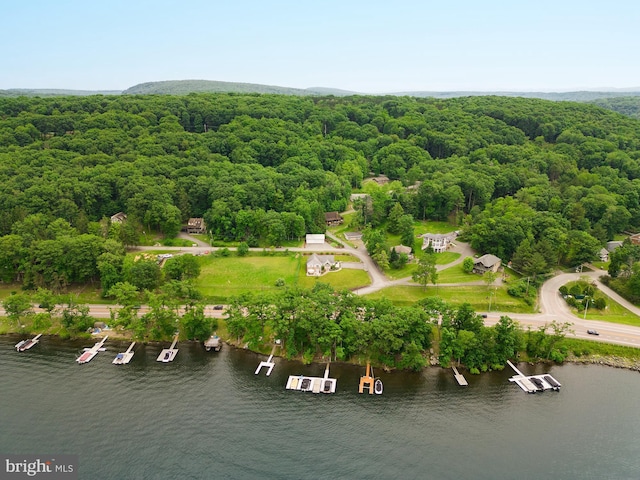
x: 363, y: 46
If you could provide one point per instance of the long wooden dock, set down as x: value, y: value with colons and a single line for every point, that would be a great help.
x: 89, y: 353
x: 123, y: 358
x: 534, y: 383
x: 168, y: 354
x: 313, y: 384
x: 27, y: 344
x: 459, y: 378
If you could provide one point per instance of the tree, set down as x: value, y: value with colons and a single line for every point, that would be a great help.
x: 467, y: 265
x: 393, y: 220
x: 17, y: 305
x: 182, y: 267
x: 426, y: 271
x: 144, y: 274
x: 489, y: 277
x: 406, y: 230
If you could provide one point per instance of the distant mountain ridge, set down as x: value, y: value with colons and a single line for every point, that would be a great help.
x: 50, y: 92
x: 185, y: 87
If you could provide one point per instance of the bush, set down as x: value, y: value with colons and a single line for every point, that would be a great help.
x: 600, y: 303
x: 243, y: 249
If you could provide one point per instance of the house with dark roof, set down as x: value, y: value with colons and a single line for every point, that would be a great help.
x: 195, y: 225
x: 333, y: 218
x: 486, y: 263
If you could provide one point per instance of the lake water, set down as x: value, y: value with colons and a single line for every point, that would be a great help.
x: 207, y: 416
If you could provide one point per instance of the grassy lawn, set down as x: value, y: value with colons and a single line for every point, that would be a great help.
x: 475, y: 295
x: 344, y: 279
x: 421, y: 227
x: 224, y: 277
x: 614, y: 313
x: 455, y: 274
x: 407, y: 271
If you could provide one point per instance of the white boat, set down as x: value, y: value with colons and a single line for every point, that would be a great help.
x: 213, y: 343
x: 377, y: 387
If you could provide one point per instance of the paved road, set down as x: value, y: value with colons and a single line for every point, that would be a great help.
x: 552, y: 306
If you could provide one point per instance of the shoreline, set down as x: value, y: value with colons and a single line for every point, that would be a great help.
x: 614, y: 361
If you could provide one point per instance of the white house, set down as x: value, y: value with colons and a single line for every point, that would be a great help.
x: 604, y: 255
x: 439, y: 242
x: 320, y: 264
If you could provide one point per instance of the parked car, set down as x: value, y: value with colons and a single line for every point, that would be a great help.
x: 218, y: 307
x: 593, y: 332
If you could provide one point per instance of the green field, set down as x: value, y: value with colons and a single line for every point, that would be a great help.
x: 224, y: 277
x: 475, y: 295
x: 441, y: 259
x: 614, y: 313
x: 455, y: 274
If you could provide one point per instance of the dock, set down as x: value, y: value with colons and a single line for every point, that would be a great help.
x: 367, y: 381
x: 459, y: 378
x: 89, y: 353
x: 313, y: 384
x: 534, y: 383
x: 168, y: 354
x: 23, y: 345
x: 123, y: 358
x: 269, y: 364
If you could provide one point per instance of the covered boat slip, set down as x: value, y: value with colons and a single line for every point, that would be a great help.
x: 534, y: 383
x: 312, y: 384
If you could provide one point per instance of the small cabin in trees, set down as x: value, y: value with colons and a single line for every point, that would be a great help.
x: 195, y: 225
x: 119, y: 217
x: 333, y: 218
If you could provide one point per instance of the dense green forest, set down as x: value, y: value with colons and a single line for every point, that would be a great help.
x: 539, y: 182
x: 629, y: 106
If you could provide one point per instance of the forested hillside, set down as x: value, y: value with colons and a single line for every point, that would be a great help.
x: 527, y: 178
x: 626, y: 105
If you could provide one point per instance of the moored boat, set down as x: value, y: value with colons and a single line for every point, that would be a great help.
x: 213, y: 343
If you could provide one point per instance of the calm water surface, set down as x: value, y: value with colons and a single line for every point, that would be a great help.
x: 207, y: 416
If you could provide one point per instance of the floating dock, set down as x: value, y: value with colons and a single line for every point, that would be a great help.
x: 534, y: 383
x: 125, y: 357
x: 459, y: 378
x: 313, y: 384
x: 168, y: 354
x: 27, y: 344
x: 268, y: 364
x: 89, y: 353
